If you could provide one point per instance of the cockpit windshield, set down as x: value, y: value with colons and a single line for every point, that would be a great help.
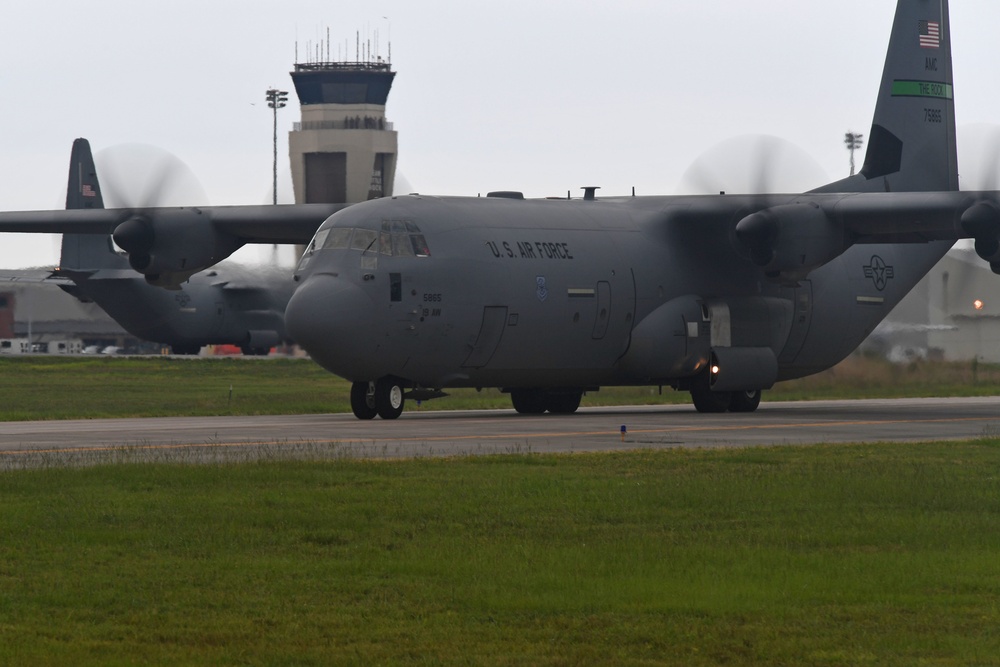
x: 402, y: 238
x: 397, y: 238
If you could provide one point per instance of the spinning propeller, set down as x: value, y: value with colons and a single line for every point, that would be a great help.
x: 139, y: 178
x: 979, y: 148
x: 752, y: 164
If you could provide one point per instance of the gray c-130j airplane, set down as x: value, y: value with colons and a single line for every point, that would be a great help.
x: 719, y: 295
x: 228, y: 304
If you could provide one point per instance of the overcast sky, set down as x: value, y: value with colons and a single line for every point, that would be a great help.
x: 539, y: 96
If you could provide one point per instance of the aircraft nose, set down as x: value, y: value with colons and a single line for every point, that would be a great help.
x: 331, y: 319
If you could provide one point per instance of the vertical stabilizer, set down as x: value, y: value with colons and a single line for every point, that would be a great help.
x: 83, y: 190
x: 911, y: 145
x: 86, y: 252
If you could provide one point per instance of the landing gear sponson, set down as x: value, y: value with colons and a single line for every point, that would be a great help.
x: 706, y: 400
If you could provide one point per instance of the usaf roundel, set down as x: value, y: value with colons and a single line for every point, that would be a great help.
x: 879, y: 272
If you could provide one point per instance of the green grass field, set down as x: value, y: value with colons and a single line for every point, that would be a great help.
x: 880, y: 554
x: 91, y: 387
x: 829, y: 555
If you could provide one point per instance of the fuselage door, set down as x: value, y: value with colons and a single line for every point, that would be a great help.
x: 494, y: 321
x: 603, y: 309
x: 802, y: 305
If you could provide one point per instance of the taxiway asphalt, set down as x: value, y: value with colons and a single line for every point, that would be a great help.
x: 450, y: 433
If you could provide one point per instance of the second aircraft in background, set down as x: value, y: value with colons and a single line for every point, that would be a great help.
x: 226, y: 304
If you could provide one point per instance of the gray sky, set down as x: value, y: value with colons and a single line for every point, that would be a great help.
x: 539, y: 96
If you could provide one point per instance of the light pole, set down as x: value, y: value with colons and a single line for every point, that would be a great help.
x: 853, y: 142
x: 276, y: 99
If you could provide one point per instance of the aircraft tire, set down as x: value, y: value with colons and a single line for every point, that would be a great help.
x: 745, y: 401
x: 185, y: 349
x: 362, y: 404
x: 528, y: 401
x: 706, y: 400
x: 388, y: 398
x: 564, y: 402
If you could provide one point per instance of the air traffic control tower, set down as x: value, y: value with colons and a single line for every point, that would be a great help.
x: 344, y: 150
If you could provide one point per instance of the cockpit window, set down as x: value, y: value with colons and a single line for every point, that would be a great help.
x: 401, y: 246
x: 397, y: 238
x: 407, y: 241
x: 420, y: 245
x: 364, y: 239
x: 339, y: 238
x: 317, y: 241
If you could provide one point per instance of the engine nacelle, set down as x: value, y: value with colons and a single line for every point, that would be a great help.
x: 168, y: 247
x: 982, y: 222
x: 791, y: 240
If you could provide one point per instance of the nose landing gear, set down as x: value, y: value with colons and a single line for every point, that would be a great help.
x: 363, y: 400
x: 383, y: 397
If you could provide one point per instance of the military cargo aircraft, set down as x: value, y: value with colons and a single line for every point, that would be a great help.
x: 227, y: 304
x: 720, y: 295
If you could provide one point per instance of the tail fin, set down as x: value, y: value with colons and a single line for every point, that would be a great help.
x: 83, y: 190
x: 911, y: 146
x: 86, y: 252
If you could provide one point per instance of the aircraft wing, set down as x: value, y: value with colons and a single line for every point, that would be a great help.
x: 916, y: 217
x: 792, y: 234
x: 169, y: 245
x: 783, y: 234
x: 33, y: 276
x: 294, y: 223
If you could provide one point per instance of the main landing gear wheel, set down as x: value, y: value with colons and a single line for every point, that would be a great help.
x: 745, y: 401
x: 363, y: 400
x: 706, y: 400
x: 388, y: 398
x: 528, y: 401
x: 537, y: 401
x: 564, y: 402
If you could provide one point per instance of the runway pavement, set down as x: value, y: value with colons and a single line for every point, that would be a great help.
x: 496, y: 431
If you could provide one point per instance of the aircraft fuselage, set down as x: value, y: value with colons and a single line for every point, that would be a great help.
x: 213, y: 307
x: 557, y: 293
